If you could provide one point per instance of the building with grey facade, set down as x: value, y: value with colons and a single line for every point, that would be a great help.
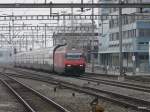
x: 135, y: 35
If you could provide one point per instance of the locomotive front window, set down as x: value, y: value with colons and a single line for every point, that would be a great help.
x: 73, y: 55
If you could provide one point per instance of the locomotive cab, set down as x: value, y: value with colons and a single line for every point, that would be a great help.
x: 69, y: 61
x: 74, y: 62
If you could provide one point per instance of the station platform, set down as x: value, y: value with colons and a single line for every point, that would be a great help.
x: 99, y: 70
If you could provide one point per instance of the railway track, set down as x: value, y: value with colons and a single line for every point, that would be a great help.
x: 122, y: 100
x: 117, y: 83
x: 30, y: 98
x: 139, y: 78
x: 105, y: 81
x: 145, y: 79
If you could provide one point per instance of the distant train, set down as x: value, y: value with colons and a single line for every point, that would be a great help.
x: 57, y: 59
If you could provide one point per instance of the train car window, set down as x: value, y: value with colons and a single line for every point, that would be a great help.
x: 73, y: 55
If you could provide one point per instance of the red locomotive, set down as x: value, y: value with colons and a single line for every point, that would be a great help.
x: 57, y: 59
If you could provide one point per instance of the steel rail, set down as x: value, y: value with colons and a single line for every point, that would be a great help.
x: 62, y: 109
x: 117, y: 83
x: 44, y: 97
x: 128, y: 85
x: 133, y: 86
x: 107, y: 95
x: 30, y: 109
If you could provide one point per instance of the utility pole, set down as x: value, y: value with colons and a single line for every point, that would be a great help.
x: 32, y: 36
x: 10, y: 33
x: 42, y: 41
x: 120, y: 40
x: 37, y: 33
x: 50, y: 10
x: 81, y: 3
x: 20, y: 44
x: 64, y: 25
x: 13, y: 33
x: 26, y: 43
x: 92, y: 44
x: 72, y: 40
x: 45, y: 35
x: 1, y: 36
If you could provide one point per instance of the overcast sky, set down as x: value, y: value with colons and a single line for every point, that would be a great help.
x: 31, y: 11
x: 43, y: 11
x: 46, y: 11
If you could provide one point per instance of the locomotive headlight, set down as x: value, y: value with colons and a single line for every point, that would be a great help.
x: 68, y: 65
x: 81, y: 65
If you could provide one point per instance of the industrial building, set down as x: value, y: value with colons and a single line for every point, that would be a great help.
x: 135, y: 38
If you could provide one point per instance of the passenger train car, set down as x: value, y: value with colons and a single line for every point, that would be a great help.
x: 57, y: 59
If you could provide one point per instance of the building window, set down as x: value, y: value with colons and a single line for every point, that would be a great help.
x: 125, y: 34
x: 144, y: 32
x: 126, y: 19
x: 143, y: 57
